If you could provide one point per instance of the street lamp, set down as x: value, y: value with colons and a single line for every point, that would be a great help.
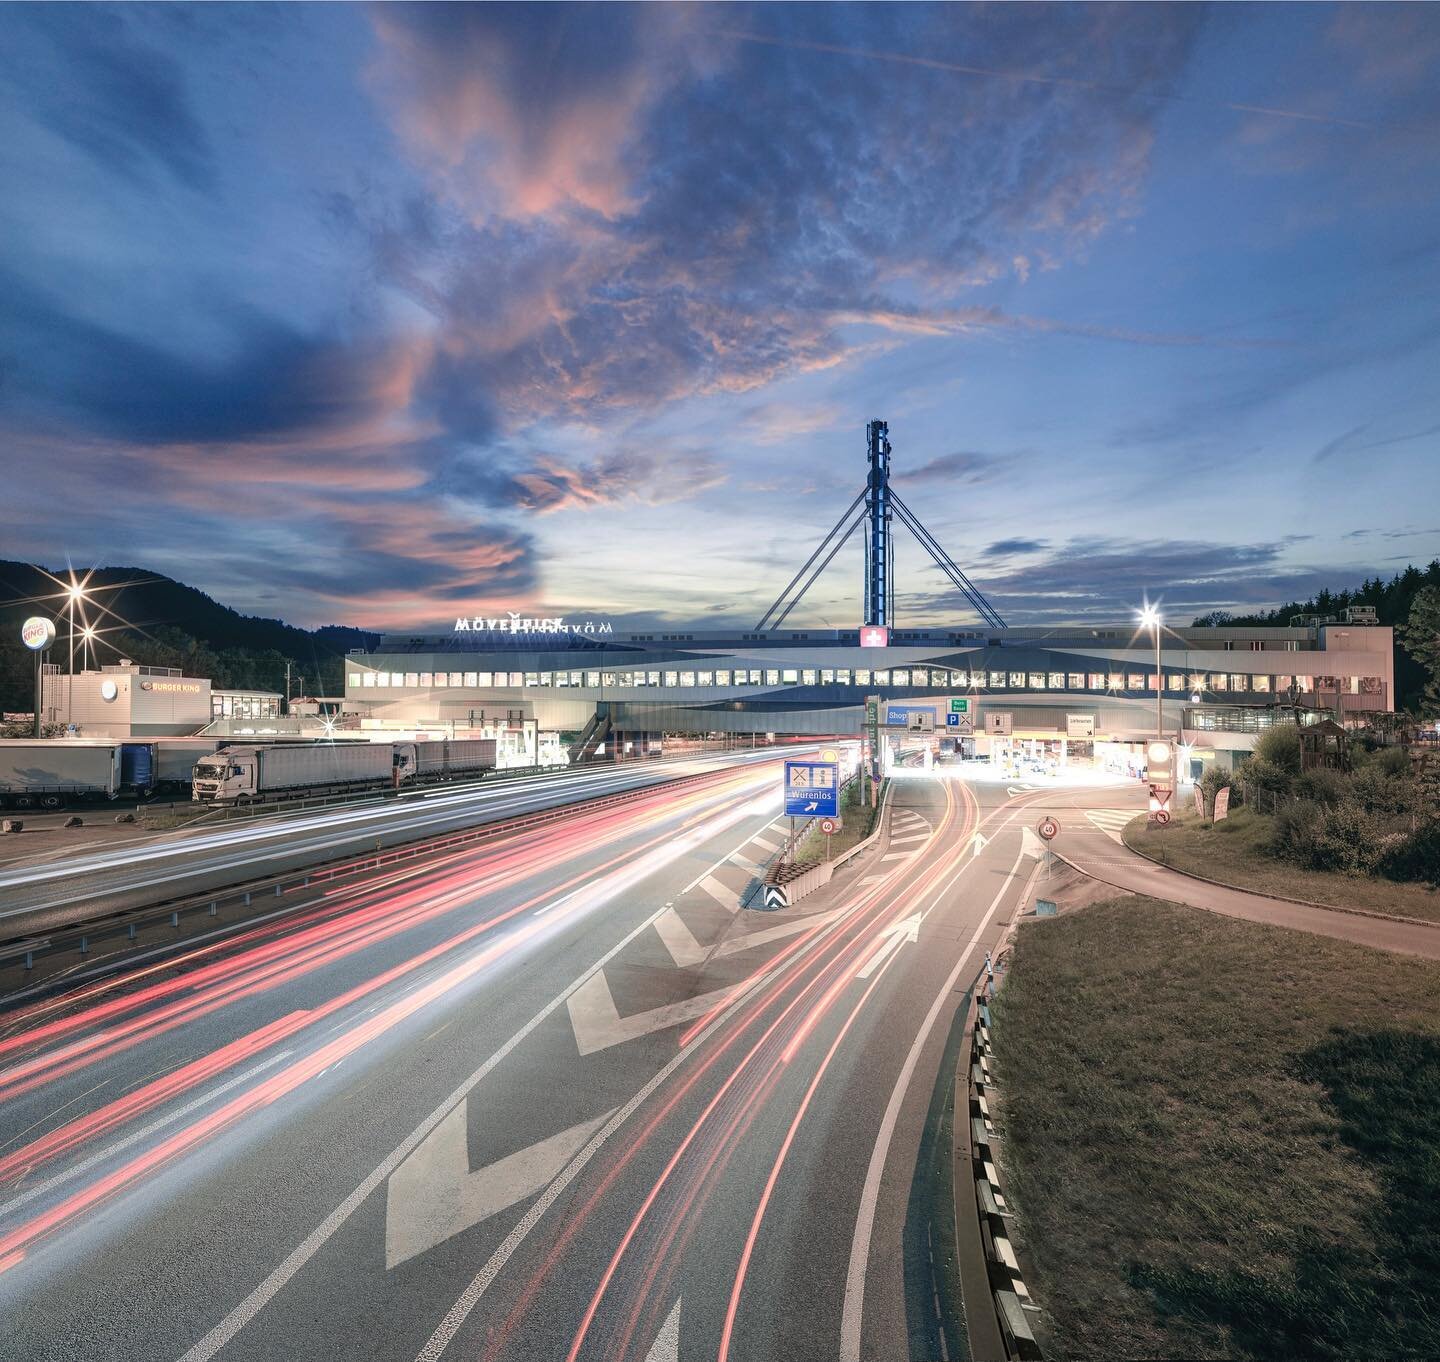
x: 74, y: 594
x: 1150, y: 619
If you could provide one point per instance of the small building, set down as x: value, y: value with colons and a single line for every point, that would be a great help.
x: 126, y: 700
x: 245, y: 704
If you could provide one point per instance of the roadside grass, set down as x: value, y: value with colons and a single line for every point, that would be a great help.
x: 857, y: 822
x: 1236, y: 852
x: 1222, y: 1139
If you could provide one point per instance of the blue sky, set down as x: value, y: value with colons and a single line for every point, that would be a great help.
x: 379, y: 315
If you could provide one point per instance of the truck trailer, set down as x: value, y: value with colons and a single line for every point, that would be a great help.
x: 51, y: 773
x: 254, y: 773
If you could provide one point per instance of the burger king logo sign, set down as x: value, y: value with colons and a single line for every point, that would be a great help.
x: 37, y: 632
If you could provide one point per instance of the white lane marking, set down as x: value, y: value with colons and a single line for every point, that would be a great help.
x: 666, y: 1347
x: 909, y: 837
x: 267, y: 1290
x: 1111, y: 821
x: 144, y: 1132
x: 898, y: 856
x: 679, y: 940
x: 767, y: 934
x: 729, y: 899
x: 598, y: 1025
x: 433, y: 1195
x: 893, y: 937
x: 765, y: 844
x: 852, y: 1312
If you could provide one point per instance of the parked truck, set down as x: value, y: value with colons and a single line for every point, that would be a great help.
x: 50, y: 773
x: 254, y: 773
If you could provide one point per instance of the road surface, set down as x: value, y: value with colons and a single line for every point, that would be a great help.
x: 557, y: 1097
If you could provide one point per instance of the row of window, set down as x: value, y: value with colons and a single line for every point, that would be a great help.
x: 926, y: 678
x: 244, y: 706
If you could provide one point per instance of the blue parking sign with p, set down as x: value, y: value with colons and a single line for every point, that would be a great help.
x: 812, y: 789
x: 952, y: 720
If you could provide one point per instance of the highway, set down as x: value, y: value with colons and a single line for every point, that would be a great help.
x: 555, y: 1096
x: 42, y: 896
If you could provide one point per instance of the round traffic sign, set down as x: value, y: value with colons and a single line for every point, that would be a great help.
x: 1048, y: 828
x: 37, y: 633
x: 827, y: 826
x: 1161, y: 816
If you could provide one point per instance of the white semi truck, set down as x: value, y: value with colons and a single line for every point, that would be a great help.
x: 262, y: 773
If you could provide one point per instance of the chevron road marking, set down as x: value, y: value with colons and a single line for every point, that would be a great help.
x: 1110, y: 821
x: 685, y: 950
x: 598, y: 1024
x: 434, y: 1196
x: 726, y: 898
x: 666, y: 1347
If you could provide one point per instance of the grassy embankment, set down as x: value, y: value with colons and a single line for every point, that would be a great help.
x: 1222, y: 1138
x: 1236, y: 851
x: 857, y: 822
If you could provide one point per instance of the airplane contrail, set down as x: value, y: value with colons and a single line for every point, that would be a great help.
x: 1072, y: 82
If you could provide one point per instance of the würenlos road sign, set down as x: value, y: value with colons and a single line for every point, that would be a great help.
x: 812, y: 789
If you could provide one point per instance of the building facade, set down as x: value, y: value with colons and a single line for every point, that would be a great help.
x: 1219, y: 687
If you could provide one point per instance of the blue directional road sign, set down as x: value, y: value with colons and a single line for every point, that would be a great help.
x: 812, y: 788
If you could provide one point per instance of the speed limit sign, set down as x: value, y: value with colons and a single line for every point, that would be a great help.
x: 1048, y: 828
x: 828, y: 825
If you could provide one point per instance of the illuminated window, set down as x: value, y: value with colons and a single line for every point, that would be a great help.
x: 1117, y: 680
x: 722, y: 678
x: 355, y: 678
x: 1137, y: 680
x: 997, y: 679
x: 442, y: 678
x: 1017, y: 680
x: 705, y: 678
x: 1282, y: 683
x: 882, y: 678
x: 687, y: 678
x: 807, y: 677
x: 1260, y: 683
x: 772, y: 677
x: 827, y: 676
x: 369, y: 679
x: 545, y: 678
x: 473, y: 678
x: 1037, y: 680
x: 672, y: 678
x: 1371, y: 685
x: 412, y: 679
x: 653, y: 678
x: 592, y: 679
x: 1075, y: 680
x: 862, y: 678
x: 427, y: 679
x: 456, y: 679
x: 901, y: 676
x: 977, y: 680
x: 1057, y: 680
x: 789, y: 676
x: 1239, y: 682
x: 842, y: 676
x: 1174, y: 681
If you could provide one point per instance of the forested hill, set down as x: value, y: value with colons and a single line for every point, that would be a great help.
x: 1392, y: 601
x: 169, y: 624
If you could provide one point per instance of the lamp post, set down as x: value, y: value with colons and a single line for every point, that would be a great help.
x: 74, y: 594
x: 1151, y: 616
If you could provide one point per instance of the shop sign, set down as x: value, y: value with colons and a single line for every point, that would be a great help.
x: 172, y: 687
x: 1079, y: 725
x: 1222, y: 803
x: 37, y: 633
x: 513, y: 623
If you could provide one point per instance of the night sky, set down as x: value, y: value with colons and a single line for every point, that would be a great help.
x: 383, y: 315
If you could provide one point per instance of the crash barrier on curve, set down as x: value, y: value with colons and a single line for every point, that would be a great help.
x: 88, y: 926
x: 989, y: 1267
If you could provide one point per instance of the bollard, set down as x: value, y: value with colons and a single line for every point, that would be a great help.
x: 214, y: 908
x: 174, y: 919
x: 84, y: 945
x: 247, y: 898
x: 132, y: 931
x: 277, y: 891
x: 29, y: 959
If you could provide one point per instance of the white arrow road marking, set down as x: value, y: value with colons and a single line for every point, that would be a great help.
x: 685, y: 950
x: 1013, y: 790
x: 978, y: 843
x: 599, y: 1025
x: 679, y: 939
x: 894, y: 936
x: 666, y: 1347
x: 434, y: 1196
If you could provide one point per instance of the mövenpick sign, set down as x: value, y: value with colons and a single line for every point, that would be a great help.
x: 512, y: 623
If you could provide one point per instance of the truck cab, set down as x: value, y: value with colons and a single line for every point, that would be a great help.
x: 224, y: 778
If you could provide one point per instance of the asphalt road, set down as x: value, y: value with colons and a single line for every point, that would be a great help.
x: 558, y: 1097
x: 55, y: 892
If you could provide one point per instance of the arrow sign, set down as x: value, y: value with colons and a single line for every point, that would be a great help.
x: 811, y: 807
x: 434, y: 1196
x: 978, y: 843
x: 892, y: 938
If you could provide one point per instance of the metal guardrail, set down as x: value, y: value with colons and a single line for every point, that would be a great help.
x: 128, y: 922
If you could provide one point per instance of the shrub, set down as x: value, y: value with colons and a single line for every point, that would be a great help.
x: 1324, y: 787
x: 1416, y: 857
x: 1262, y: 774
x: 1383, y: 794
x: 1280, y: 746
x: 1350, y: 840
x: 1211, y: 783
x: 1393, y: 761
x: 1296, y: 828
